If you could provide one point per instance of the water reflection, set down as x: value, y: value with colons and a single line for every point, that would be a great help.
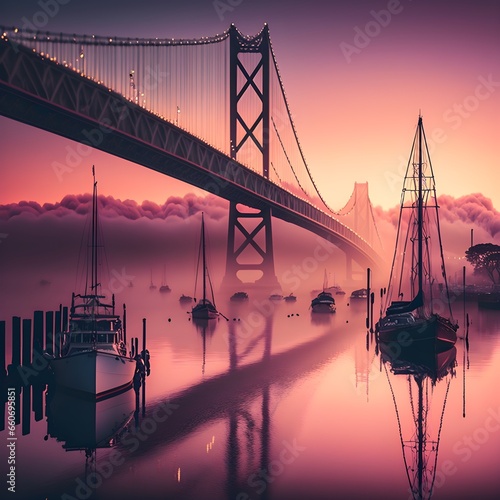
x: 423, y: 369
x: 205, y: 327
x: 86, y: 424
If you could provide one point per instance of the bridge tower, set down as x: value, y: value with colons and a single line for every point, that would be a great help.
x: 250, y: 243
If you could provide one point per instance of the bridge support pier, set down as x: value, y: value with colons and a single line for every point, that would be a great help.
x: 250, y: 248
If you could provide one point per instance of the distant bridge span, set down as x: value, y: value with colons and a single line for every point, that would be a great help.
x: 47, y: 95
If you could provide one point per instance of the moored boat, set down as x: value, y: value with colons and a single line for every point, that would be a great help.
x: 361, y: 293
x: 418, y: 227
x: 239, y: 296
x: 204, y: 309
x: 324, y: 301
x: 94, y: 357
x: 276, y: 296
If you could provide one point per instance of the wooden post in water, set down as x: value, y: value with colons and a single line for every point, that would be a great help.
x: 57, y: 331
x: 144, y: 338
x: 26, y: 360
x: 16, y: 341
x: 368, y: 272
x: 464, y: 293
x: 49, y: 332
x: 124, y: 324
x: 372, y: 301
x: 3, y: 373
x: 37, y: 333
x: 26, y: 409
x: 144, y: 361
x: 65, y: 319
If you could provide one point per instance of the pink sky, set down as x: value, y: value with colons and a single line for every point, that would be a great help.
x: 355, y: 100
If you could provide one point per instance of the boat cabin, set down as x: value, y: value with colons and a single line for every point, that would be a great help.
x: 84, y: 333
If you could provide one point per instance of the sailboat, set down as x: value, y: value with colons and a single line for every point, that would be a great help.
x: 324, y: 301
x: 418, y: 229
x: 204, y: 309
x: 164, y: 288
x: 152, y: 286
x: 93, y: 358
x: 424, y: 369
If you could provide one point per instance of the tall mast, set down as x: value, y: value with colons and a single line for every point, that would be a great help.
x: 420, y: 209
x: 421, y: 437
x: 94, y: 235
x: 204, y: 258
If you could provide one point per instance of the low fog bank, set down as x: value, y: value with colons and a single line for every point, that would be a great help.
x: 42, y: 247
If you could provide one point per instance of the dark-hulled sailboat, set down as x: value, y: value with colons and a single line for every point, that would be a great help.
x: 204, y: 309
x: 418, y: 228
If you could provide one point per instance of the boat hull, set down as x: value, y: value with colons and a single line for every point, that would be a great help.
x: 86, y: 424
x: 204, y: 311
x: 323, y: 303
x: 323, y: 308
x: 430, y: 362
x: 94, y: 372
x: 434, y: 329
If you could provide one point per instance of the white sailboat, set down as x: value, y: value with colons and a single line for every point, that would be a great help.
x: 94, y: 357
x: 204, y: 309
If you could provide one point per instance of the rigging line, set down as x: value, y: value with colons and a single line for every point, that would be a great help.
x: 439, y: 438
x: 438, y: 227
x: 197, y: 269
x: 399, y: 423
x: 400, y: 217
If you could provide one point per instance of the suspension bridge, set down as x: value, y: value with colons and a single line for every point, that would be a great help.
x: 211, y: 112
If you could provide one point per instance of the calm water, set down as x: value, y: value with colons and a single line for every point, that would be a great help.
x: 272, y: 404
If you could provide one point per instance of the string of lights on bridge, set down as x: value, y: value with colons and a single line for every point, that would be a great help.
x: 35, y: 41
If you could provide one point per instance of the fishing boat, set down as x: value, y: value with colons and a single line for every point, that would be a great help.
x: 324, y: 301
x: 204, y: 309
x: 418, y: 230
x: 185, y: 299
x: 290, y: 298
x: 93, y: 358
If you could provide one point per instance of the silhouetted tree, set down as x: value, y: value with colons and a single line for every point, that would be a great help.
x: 485, y: 258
